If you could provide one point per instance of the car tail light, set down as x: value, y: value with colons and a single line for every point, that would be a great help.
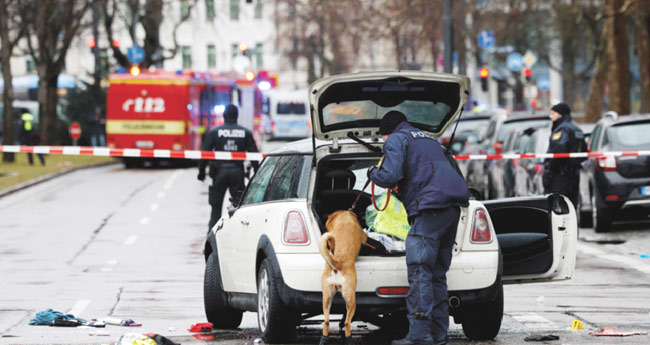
x: 612, y: 197
x: 481, y: 227
x: 295, y: 231
x: 392, y: 291
x: 498, y: 146
x: 445, y: 140
x: 607, y: 163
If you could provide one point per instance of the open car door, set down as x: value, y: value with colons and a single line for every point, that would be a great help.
x: 537, y: 237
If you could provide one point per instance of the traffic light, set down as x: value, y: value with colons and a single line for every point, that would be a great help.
x: 134, y: 70
x: 527, y: 74
x: 243, y: 48
x: 116, y: 42
x: 92, y: 43
x: 484, y: 73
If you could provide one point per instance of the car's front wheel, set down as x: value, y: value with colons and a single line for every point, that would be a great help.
x: 217, y: 310
x: 277, y: 323
x: 482, y: 321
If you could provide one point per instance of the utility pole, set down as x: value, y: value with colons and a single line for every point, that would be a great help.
x: 448, y: 37
x: 97, y: 74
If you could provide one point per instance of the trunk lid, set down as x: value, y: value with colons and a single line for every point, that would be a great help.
x: 356, y: 102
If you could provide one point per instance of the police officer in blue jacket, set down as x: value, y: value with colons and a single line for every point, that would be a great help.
x: 432, y: 192
x: 226, y: 174
x: 562, y: 175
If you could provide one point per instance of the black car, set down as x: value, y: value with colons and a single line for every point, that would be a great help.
x: 619, y: 186
x: 492, y: 143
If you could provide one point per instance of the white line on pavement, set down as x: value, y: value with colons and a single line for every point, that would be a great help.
x: 130, y: 240
x: 533, y: 320
x: 171, y: 180
x: 79, y: 307
x: 145, y: 220
x: 154, y: 207
x: 109, y: 265
x: 621, y: 259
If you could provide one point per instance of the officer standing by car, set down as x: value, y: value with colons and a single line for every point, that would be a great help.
x: 433, y: 192
x: 226, y: 174
x: 562, y: 175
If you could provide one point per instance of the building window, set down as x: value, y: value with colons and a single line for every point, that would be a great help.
x: 185, y: 9
x: 209, y: 10
x: 187, y: 56
x: 258, y: 9
x: 212, y: 56
x: 259, y: 53
x: 235, y: 50
x: 234, y: 9
x: 31, y: 66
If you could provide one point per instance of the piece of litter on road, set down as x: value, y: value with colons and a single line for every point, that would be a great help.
x: 258, y: 341
x: 644, y: 256
x: 161, y: 340
x: 608, y: 332
x: 99, y: 333
x: 51, y: 317
x: 135, y: 339
x: 577, y: 324
x: 171, y: 329
x: 120, y: 322
x: 541, y: 300
x: 541, y: 337
x: 201, y: 327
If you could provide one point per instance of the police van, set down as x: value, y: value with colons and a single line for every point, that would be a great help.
x: 262, y: 256
x: 288, y: 114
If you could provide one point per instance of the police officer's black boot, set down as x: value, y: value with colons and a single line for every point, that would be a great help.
x: 406, y: 341
x: 324, y: 340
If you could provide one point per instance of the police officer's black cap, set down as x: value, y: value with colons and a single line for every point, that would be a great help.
x: 390, y: 121
x: 562, y: 109
x: 231, y: 113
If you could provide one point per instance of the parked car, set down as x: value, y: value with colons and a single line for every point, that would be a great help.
x: 619, y: 186
x: 534, y: 167
x: 263, y: 256
x: 288, y: 116
x: 500, y: 125
x: 471, y: 127
x: 507, y: 174
x: 584, y: 202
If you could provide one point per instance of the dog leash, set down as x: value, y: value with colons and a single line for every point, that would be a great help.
x: 354, y: 204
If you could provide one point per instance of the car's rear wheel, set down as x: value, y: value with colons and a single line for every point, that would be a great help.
x: 584, y: 217
x: 277, y: 322
x: 217, y: 310
x: 601, y: 217
x: 482, y: 321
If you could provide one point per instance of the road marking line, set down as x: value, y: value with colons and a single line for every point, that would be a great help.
x: 629, y: 261
x: 154, y: 207
x: 109, y: 265
x: 533, y: 320
x: 145, y: 220
x: 171, y: 180
x: 130, y: 240
x: 79, y: 307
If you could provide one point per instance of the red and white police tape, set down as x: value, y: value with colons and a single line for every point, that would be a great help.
x: 255, y: 156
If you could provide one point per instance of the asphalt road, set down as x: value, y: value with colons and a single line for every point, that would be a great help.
x: 128, y: 244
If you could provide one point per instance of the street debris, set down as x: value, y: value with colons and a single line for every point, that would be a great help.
x: 201, y: 327
x: 542, y: 337
x: 577, y: 324
x: 161, y: 340
x: 135, y: 339
x: 50, y: 317
x: 608, y: 332
x: 121, y: 322
x: 541, y: 300
x: 644, y: 256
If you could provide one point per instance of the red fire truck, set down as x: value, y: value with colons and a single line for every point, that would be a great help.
x: 167, y: 110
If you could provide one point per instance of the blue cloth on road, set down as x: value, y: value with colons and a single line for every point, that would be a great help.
x: 47, y: 317
x: 429, y: 248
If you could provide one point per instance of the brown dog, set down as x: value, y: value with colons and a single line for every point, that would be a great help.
x: 344, y: 237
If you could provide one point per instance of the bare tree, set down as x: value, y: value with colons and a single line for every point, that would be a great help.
x: 617, y: 53
x: 53, y: 26
x: 11, y: 31
x: 642, y: 24
x: 148, y: 15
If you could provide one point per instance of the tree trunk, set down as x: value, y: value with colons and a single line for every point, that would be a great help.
x: 643, y: 47
x: 617, y: 51
x: 8, y: 93
x: 47, y: 102
x: 597, y: 86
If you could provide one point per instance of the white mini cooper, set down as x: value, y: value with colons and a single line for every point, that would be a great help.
x: 263, y: 255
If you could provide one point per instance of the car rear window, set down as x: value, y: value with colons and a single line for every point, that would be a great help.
x: 629, y: 136
x: 291, y: 108
x: 520, y: 126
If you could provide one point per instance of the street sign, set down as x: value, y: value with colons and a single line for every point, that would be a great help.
x: 75, y: 130
x: 135, y: 54
x: 514, y: 61
x: 543, y: 83
x: 486, y: 39
x: 529, y: 59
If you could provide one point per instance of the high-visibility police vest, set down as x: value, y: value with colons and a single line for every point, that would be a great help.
x: 27, y: 118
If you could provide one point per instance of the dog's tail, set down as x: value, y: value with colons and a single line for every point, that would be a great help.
x: 326, y: 239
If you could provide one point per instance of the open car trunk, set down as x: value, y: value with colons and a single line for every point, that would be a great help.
x: 535, y: 235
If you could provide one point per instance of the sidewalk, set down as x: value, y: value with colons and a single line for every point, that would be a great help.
x: 19, y: 174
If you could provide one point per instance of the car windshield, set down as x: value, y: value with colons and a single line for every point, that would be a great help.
x: 519, y: 126
x: 630, y: 136
x: 291, y: 108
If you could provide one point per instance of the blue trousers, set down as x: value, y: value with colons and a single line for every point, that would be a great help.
x: 428, y: 255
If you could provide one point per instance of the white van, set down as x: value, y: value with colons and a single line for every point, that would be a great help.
x: 288, y: 114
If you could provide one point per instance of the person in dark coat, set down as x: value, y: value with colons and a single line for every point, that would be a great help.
x: 98, y: 128
x: 562, y: 175
x: 432, y: 192
x: 226, y: 174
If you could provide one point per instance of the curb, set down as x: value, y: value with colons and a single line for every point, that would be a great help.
x: 45, y: 178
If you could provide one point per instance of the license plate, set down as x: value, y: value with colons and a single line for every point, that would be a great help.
x: 645, y: 190
x: 144, y: 144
